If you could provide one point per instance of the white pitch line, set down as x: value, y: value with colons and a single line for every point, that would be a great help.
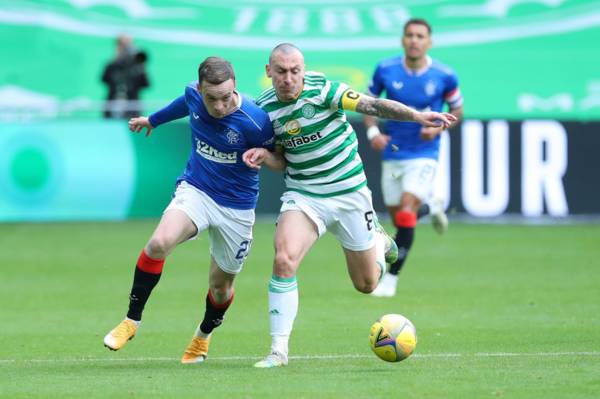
x: 302, y: 357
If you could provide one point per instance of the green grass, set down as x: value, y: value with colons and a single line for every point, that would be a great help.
x: 501, y: 311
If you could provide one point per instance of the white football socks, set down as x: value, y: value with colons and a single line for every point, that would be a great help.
x: 283, y: 308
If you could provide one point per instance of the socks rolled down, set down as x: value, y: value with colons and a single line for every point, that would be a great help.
x: 146, y: 276
x: 405, y: 222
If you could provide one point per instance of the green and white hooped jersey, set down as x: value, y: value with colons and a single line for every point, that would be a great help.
x: 321, y: 148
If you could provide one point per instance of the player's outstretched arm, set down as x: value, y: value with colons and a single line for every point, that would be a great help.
x: 256, y: 157
x: 430, y: 133
x: 140, y: 123
x: 390, y: 109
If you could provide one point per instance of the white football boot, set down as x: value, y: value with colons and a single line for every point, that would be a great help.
x: 273, y: 359
x: 387, y: 286
x: 439, y: 220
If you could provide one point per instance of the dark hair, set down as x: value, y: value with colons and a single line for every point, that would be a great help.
x: 215, y: 70
x: 417, y: 21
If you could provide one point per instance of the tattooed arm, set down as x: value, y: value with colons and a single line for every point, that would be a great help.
x: 389, y: 109
x: 384, y: 108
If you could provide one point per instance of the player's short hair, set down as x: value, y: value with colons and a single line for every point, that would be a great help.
x: 215, y: 70
x: 285, y: 48
x: 417, y: 21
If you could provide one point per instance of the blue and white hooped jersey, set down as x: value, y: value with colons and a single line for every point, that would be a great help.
x: 424, y: 90
x: 215, y: 165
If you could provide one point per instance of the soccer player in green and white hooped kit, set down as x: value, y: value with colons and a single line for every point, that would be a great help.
x: 325, y: 181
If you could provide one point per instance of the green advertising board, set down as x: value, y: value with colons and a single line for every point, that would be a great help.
x: 97, y: 170
x: 515, y: 59
x: 88, y: 170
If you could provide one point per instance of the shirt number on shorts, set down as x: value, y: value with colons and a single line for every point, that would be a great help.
x: 369, y: 219
x: 243, y: 251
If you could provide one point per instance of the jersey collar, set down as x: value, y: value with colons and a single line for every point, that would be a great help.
x: 239, y: 100
x: 419, y: 72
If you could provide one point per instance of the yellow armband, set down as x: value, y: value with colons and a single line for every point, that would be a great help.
x: 350, y: 100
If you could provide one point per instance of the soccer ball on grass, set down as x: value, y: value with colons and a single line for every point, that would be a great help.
x: 393, y: 338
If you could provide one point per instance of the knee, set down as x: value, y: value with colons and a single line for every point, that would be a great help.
x: 221, y: 292
x: 158, y: 247
x: 409, y: 203
x: 285, y: 265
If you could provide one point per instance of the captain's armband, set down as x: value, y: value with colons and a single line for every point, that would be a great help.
x: 350, y: 100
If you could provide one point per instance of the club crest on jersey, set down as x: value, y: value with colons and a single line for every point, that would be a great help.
x: 292, y: 127
x: 430, y: 88
x: 232, y: 136
x: 397, y: 84
x: 308, y: 111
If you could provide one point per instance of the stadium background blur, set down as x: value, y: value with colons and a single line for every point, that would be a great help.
x: 528, y: 71
x: 502, y: 309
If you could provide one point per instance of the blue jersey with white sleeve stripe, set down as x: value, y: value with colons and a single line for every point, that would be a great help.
x: 424, y: 90
x: 215, y: 164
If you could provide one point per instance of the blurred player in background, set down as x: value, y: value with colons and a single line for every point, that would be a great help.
x: 125, y: 76
x: 411, y: 151
x: 325, y: 181
x: 217, y: 192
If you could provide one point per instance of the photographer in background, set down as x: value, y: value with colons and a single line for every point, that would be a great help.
x: 125, y: 76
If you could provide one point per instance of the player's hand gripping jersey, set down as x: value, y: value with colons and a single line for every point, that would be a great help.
x: 423, y: 90
x: 320, y: 145
x: 215, y: 164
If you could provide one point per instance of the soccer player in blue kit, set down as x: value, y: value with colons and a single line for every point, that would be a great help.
x: 410, y: 151
x: 216, y: 192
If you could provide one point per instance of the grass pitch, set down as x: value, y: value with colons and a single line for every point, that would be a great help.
x: 501, y: 311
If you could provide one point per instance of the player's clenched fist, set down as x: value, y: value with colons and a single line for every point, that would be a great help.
x: 254, y: 157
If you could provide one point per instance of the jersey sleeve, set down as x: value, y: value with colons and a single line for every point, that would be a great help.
x: 333, y: 92
x: 452, y: 94
x: 176, y: 110
x: 340, y: 96
x: 265, y: 137
x: 376, y: 84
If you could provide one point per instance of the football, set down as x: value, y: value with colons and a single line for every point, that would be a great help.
x: 393, y: 338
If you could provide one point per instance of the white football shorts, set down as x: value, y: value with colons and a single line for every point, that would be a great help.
x: 412, y: 175
x: 350, y: 217
x: 229, y: 230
